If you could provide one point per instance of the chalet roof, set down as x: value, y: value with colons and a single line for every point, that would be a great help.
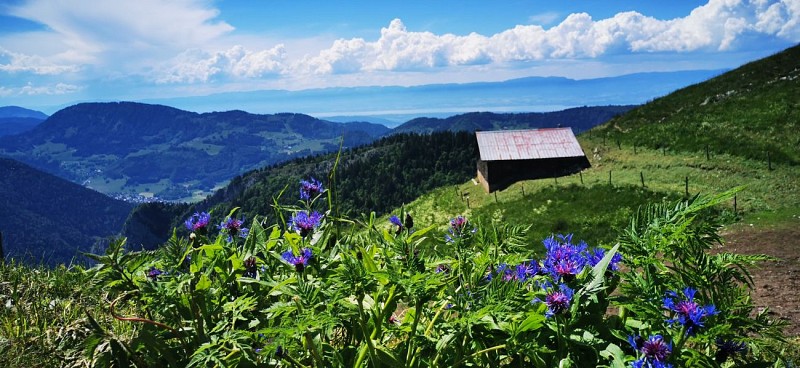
x: 528, y: 144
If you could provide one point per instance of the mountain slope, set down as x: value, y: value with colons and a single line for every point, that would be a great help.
x: 20, y: 112
x: 376, y: 177
x: 47, y: 219
x: 579, y: 119
x: 134, y: 148
x: 15, y: 119
x: 752, y: 112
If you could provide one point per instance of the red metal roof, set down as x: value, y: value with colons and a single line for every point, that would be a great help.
x: 528, y: 144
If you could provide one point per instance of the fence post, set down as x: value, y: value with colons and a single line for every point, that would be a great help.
x: 708, y: 156
x: 687, y: 186
x: 769, y: 161
x: 609, y: 177
x: 581, y: 174
x: 495, y: 197
x: 641, y: 174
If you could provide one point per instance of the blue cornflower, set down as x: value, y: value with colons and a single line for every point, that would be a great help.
x: 198, y: 221
x: 596, y: 255
x: 153, y: 273
x: 557, y: 300
x: 310, y: 189
x: 299, y: 261
x: 727, y: 349
x: 234, y: 228
x: 654, y: 351
x: 396, y: 221
x: 687, y: 313
x: 526, y: 270
x: 443, y: 268
x: 304, y: 222
x: 564, y: 260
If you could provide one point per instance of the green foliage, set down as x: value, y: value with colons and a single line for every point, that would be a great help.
x: 397, y: 294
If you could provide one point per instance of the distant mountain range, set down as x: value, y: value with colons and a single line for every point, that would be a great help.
x: 401, y: 104
x: 15, y: 119
x: 579, y: 119
x: 47, y: 220
x: 141, y: 152
x: 130, y: 148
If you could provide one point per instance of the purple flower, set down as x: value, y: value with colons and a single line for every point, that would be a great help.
x: 299, y: 261
x: 557, y: 300
x: 727, y: 349
x: 458, y: 226
x: 654, y: 351
x: 564, y: 260
x: 234, y: 228
x: 310, y: 189
x: 686, y: 311
x: 304, y: 222
x: 198, y: 221
x: 153, y: 273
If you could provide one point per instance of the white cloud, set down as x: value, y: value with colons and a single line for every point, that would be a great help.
x: 32, y: 90
x: 13, y: 62
x: 196, y: 65
x: 717, y: 26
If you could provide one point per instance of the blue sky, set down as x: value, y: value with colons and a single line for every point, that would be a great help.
x: 54, y: 52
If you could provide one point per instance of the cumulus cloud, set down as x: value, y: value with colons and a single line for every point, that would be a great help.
x: 237, y: 62
x: 717, y: 26
x: 14, y: 62
x: 32, y: 90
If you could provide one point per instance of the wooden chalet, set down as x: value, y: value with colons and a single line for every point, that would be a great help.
x: 509, y: 156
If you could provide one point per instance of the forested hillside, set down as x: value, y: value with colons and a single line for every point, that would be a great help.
x: 377, y: 177
x: 46, y: 219
x: 160, y: 151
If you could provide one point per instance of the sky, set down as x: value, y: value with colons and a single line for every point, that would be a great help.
x: 55, y: 52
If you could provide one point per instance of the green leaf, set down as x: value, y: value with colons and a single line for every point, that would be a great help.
x: 534, y: 321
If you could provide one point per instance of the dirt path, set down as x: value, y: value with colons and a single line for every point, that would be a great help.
x: 777, y: 284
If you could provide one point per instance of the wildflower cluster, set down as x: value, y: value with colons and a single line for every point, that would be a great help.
x: 233, y: 227
x: 653, y: 352
x: 198, y: 221
x: 565, y: 260
x: 309, y: 189
x: 299, y: 261
x: 686, y: 311
x: 304, y: 222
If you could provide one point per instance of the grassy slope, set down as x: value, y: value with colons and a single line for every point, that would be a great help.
x: 741, y: 115
x: 595, y: 211
x: 749, y: 112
